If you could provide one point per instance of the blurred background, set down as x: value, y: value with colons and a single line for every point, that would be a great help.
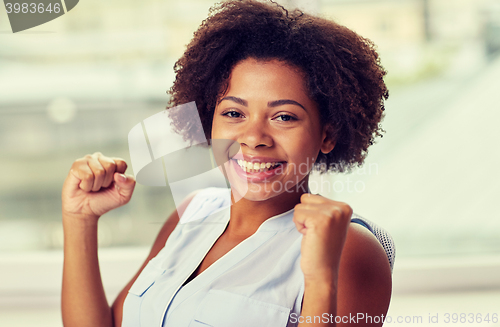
x: 78, y: 84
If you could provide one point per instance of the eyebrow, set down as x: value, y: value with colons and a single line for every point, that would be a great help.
x: 278, y: 103
x: 235, y: 99
x: 272, y: 104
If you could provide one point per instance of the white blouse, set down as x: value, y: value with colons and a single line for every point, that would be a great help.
x: 257, y: 283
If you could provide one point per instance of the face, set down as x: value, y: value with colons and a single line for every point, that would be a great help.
x: 267, y: 110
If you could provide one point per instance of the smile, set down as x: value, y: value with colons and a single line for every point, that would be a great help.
x: 257, y: 167
x: 257, y: 171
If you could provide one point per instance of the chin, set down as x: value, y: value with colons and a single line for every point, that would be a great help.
x: 259, y: 195
x: 260, y: 191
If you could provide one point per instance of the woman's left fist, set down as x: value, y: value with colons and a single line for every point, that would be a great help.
x: 324, y: 224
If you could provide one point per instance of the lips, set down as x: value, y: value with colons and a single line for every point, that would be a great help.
x: 256, y: 169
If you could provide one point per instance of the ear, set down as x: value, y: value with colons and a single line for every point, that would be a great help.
x: 328, y: 140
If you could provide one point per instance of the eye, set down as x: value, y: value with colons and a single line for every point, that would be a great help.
x: 285, y: 118
x: 232, y: 114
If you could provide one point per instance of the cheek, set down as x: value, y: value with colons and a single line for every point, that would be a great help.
x: 303, y: 156
x: 223, y: 130
x: 308, y: 148
x: 309, y: 141
x: 215, y: 127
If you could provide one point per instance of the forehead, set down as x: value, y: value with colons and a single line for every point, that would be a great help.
x: 267, y: 78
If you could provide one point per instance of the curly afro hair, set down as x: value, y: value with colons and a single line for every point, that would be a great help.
x: 343, y: 71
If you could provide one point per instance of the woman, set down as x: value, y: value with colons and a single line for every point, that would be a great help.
x: 294, y: 91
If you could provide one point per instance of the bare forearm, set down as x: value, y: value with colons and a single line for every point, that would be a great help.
x: 319, y: 306
x: 83, y: 299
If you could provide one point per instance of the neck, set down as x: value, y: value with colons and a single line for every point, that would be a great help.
x: 247, y: 215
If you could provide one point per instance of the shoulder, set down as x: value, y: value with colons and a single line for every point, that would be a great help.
x: 363, y: 249
x: 365, y: 283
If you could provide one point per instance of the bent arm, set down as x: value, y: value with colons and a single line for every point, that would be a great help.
x: 359, y: 294
x: 95, y: 185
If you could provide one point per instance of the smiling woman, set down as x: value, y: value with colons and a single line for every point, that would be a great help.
x: 296, y: 92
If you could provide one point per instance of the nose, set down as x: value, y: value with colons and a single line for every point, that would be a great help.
x: 256, y: 133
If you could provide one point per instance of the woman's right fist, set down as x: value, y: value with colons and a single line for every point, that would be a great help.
x: 95, y: 185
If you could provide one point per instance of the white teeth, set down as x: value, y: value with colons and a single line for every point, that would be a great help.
x: 256, y: 166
